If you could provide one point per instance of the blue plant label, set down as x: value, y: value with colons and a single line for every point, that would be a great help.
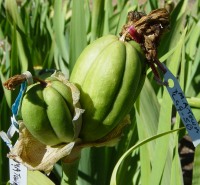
x: 18, y: 173
x: 182, y: 107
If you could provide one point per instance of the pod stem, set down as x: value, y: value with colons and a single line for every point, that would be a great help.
x: 42, y: 82
x: 70, y: 173
x: 70, y: 168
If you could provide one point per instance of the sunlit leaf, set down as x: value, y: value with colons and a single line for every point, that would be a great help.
x: 128, y: 152
x: 78, y: 37
x: 36, y: 178
x: 196, y: 179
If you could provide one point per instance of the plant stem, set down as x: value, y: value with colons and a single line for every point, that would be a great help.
x: 70, y: 173
x: 42, y: 82
x: 70, y: 170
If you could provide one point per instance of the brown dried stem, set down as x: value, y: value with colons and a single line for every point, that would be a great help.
x: 16, y: 80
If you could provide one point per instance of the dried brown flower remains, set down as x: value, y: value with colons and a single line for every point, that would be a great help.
x: 147, y: 30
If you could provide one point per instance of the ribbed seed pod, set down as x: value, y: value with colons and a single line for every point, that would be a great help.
x: 47, y: 112
x: 109, y: 74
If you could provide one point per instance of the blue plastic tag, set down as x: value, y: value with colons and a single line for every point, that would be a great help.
x: 18, y: 172
x: 183, y: 107
x: 15, y: 110
x: 17, y: 103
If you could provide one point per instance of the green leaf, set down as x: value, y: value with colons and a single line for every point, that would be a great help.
x: 147, y: 115
x: 122, y: 19
x: 97, y: 19
x: 4, y: 125
x: 152, y: 4
x: 176, y: 178
x: 13, y: 13
x: 195, y: 176
x: 177, y: 18
x: 14, y: 66
x: 85, y: 177
x: 128, y: 152
x: 129, y: 170
x: 38, y: 178
x: 108, y: 13
x: 192, y: 51
x: 78, y: 37
x: 58, y: 26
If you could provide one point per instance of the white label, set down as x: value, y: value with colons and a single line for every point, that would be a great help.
x: 183, y: 108
x: 18, y: 173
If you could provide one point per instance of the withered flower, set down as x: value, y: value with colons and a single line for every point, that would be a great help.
x: 147, y: 30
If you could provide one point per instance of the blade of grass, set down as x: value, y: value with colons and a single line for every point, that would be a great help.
x: 97, y: 19
x: 152, y: 4
x: 4, y: 72
x: 87, y: 16
x: 113, y: 21
x: 176, y: 178
x: 101, y: 164
x: 193, y: 54
x: 108, y: 12
x: 145, y: 155
x: 196, y: 174
x: 121, y: 4
x: 148, y: 101
x: 139, y: 144
x: 4, y: 125
x: 130, y: 136
x: 58, y: 26
x: 22, y: 45
x: 176, y: 170
x: 84, y: 173
x: 13, y: 14
x: 177, y: 19
x: 135, y: 3
x: 147, y: 116
x: 48, y: 62
x: 122, y: 19
x: 24, y: 54
x: 127, y: 170
x: 78, y: 37
x: 14, y: 65
x: 36, y: 177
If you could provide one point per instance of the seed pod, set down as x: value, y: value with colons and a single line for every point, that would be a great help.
x: 48, y: 111
x: 109, y: 74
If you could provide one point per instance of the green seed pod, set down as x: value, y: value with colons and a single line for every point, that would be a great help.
x: 109, y: 74
x: 48, y: 111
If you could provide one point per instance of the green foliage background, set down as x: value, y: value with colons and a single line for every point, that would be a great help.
x: 46, y: 34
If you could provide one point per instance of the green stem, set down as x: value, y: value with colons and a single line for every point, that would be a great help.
x: 70, y: 171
